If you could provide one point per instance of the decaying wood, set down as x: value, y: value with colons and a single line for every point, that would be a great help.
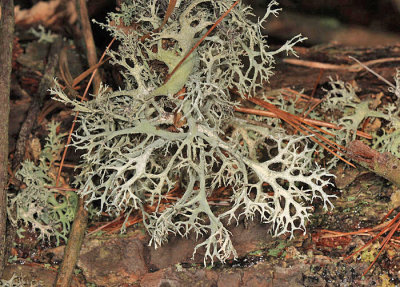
x: 383, y: 164
x: 6, y: 44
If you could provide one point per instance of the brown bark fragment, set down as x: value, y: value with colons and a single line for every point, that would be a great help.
x: 383, y: 164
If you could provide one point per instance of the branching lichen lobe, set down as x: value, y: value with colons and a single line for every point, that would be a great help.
x: 134, y: 154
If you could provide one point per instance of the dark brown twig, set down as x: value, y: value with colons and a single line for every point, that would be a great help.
x: 71, y: 253
x: 6, y: 44
x: 89, y: 41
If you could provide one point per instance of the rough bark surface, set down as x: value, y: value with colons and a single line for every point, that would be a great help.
x: 6, y: 43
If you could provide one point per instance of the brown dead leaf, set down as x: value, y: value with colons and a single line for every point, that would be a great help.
x: 35, y: 148
x: 46, y: 13
x: 376, y: 101
x: 179, y: 120
x: 373, y: 126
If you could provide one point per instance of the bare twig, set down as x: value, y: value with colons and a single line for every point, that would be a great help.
x: 71, y: 253
x: 365, y: 66
x: 328, y: 66
x: 6, y: 43
x: 383, y: 164
x: 89, y: 41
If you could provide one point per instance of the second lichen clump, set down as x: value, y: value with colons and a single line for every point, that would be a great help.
x: 37, y: 205
x: 139, y: 142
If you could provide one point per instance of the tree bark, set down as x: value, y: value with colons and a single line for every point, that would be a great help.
x: 6, y: 45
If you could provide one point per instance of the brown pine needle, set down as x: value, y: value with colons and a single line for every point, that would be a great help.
x: 321, y: 131
x: 392, y: 225
x: 105, y: 225
x: 77, y: 113
x: 293, y: 93
x: 295, y: 122
x: 168, y: 13
x: 60, y: 188
x: 387, y: 215
x: 306, y: 113
x: 86, y: 73
x: 70, y: 165
x: 305, y: 120
x: 383, y: 245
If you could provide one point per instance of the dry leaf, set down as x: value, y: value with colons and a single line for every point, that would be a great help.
x: 46, y: 13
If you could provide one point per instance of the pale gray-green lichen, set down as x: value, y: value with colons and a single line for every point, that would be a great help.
x: 139, y: 142
x: 349, y: 112
x: 37, y: 206
x: 390, y: 141
x: 17, y: 281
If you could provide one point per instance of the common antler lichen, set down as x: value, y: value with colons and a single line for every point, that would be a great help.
x: 141, y: 140
x: 37, y: 205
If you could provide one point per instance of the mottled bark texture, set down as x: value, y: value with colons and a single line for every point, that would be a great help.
x: 6, y: 42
